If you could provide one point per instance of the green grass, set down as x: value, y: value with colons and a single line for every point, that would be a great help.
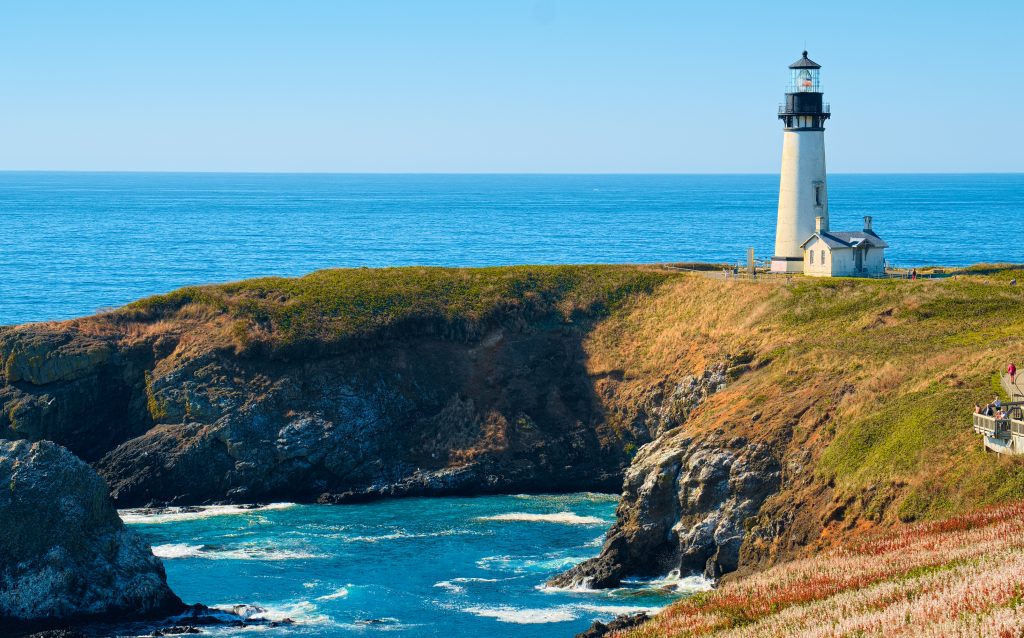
x: 329, y: 306
x: 890, y: 442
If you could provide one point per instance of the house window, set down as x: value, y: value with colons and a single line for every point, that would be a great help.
x: 823, y: 258
x: 812, y: 257
x: 819, y: 195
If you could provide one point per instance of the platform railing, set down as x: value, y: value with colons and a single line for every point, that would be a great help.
x: 1002, y: 428
x: 1014, y: 389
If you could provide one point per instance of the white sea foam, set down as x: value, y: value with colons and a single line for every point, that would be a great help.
x: 301, y: 612
x: 521, y: 564
x: 177, y: 550
x: 340, y: 593
x: 675, y: 582
x: 178, y: 514
x: 591, y: 497
x: 377, y: 624
x: 617, y: 610
x: 522, y: 616
x: 450, y: 586
x: 565, y: 518
x: 597, y: 542
x: 581, y: 586
x: 478, y: 580
x: 255, y: 552
x: 672, y: 582
x: 402, y: 534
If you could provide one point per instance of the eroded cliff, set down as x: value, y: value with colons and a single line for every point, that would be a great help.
x: 756, y: 420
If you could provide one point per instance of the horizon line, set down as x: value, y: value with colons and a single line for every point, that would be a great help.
x: 479, y: 173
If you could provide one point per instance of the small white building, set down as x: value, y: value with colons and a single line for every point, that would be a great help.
x: 844, y: 254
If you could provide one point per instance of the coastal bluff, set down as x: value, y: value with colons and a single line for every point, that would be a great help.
x: 743, y: 421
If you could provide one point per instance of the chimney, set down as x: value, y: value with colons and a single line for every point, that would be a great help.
x: 819, y: 223
x: 867, y: 223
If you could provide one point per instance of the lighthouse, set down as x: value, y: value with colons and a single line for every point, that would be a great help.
x: 803, y: 196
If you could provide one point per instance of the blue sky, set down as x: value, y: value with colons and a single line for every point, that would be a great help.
x: 503, y: 86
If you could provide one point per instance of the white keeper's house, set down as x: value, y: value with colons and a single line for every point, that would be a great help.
x: 843, y: 254
x: 803, y: 241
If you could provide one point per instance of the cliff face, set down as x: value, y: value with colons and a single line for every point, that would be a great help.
x: 512, y: 411
x: 64, y: 553
x: 86, y: 391
x: 756, y: 420
x: 189, y: 405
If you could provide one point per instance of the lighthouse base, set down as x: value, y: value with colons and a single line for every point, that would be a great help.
x: 791, y: 265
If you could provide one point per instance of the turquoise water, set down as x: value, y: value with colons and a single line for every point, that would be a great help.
x: 410, y: 567
x: 77, y: 242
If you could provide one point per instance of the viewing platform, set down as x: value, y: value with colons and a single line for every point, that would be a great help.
x: 1005, y: 435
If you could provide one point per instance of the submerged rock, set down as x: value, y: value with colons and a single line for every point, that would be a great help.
x: 64, y: 552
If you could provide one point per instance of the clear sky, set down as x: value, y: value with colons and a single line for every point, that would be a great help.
x: 503, y: 85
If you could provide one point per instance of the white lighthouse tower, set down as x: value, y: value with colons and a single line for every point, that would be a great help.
x: 802, y: 192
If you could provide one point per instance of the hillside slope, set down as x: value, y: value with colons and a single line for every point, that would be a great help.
x: 959, y: 576
x: 758, y: 419
x: 853, y: 412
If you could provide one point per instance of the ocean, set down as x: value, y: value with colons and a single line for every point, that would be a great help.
x: 74, y: 243
x: 454, y: 567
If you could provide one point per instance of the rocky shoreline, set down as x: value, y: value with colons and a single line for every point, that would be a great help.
x: 65, y: 555
x: 739, y: 433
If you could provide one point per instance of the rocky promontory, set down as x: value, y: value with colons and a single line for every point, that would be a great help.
x: 65, y: 555
x: 743, y: 421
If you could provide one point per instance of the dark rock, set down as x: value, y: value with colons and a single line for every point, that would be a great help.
x: 685, y: 505
x: 514, y: 412
x: 57, y: 633
x: 372, y: 622
x: 85, y: 392
x: 64, y: 552
x: 176, y: 630
x: 599, y: 629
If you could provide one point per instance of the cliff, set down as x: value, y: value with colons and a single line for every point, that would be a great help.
x: 64, y: 553
x: 340, y: 385
x: 757, y: 420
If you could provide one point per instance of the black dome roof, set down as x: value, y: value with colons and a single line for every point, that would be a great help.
x: 805, y: 63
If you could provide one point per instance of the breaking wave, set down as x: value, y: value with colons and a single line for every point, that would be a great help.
x: 151, y: 516
x: 674, y: 582
x: 254, y: 552
x: 521, y: 616
x: 565, y: 518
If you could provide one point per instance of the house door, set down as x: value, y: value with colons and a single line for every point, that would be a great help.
x: 858, y: 260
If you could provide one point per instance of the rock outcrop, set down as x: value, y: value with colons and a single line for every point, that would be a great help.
x: 685, y: 508
x: 65, y: 555
x: 85, y: 391
x: 599, y: 629
x: 166, y: 422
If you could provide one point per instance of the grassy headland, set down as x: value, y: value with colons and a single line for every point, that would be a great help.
x: 882, y: 374
x: 862, y: 388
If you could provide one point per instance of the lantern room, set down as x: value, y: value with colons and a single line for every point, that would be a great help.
x: 805, y: 77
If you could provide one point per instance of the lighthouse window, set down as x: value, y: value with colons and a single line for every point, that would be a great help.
x: 817, y: 196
